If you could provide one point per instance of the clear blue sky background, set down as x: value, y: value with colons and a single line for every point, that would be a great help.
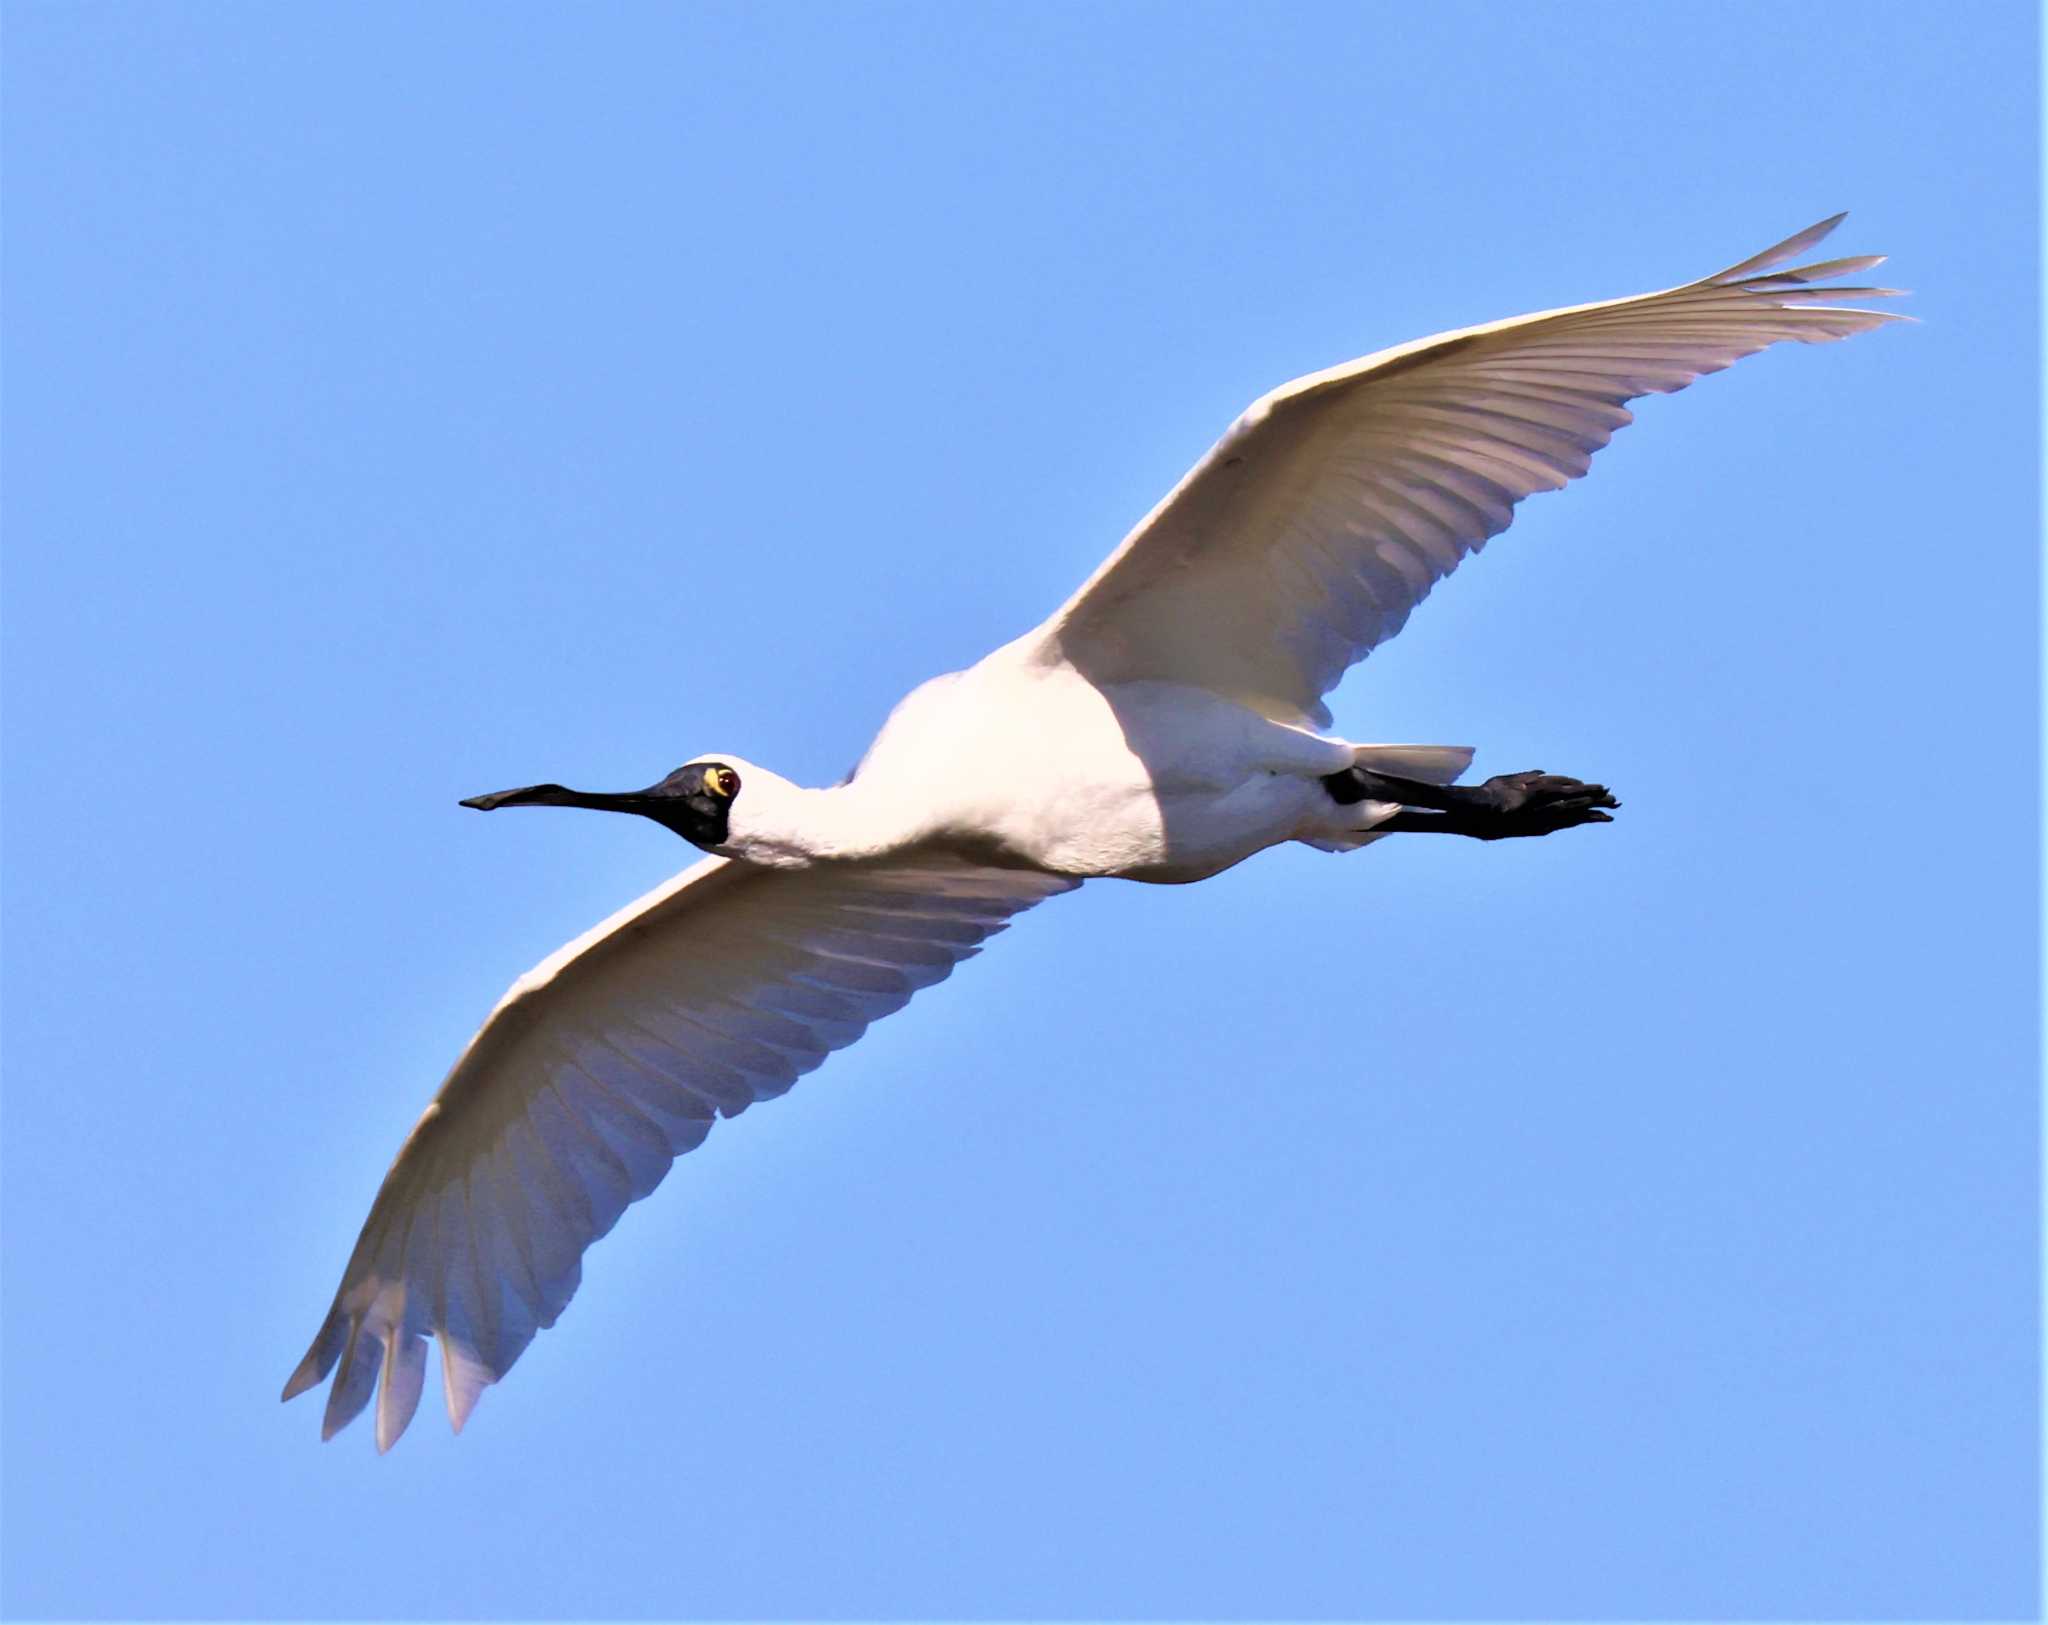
x: 402, y: 405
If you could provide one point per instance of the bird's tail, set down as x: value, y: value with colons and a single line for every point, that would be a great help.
x: 1427, y: 764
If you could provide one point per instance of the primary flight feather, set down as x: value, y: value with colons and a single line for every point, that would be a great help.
x: 1166, y: 723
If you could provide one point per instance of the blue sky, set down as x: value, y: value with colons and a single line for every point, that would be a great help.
x: 1637, y: 1223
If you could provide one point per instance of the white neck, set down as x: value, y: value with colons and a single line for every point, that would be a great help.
x: 785, y: 826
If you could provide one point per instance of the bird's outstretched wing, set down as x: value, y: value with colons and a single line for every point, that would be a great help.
x: 1332, y: 506
x: 597, y: 1070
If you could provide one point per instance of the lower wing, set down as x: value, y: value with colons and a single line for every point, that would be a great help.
x: 596, y: 1071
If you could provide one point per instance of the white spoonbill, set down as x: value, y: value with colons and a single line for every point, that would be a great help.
x: 1164, y: 724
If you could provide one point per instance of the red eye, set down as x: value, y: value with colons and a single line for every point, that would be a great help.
x: 725, y: 781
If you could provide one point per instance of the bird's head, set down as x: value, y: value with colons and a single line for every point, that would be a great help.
x: 697, y: 800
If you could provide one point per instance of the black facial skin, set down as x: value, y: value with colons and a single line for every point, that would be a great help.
x: 687, y: 801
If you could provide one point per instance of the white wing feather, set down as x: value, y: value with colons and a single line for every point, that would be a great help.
x: 597, y: 1070
x: 1331, y: 507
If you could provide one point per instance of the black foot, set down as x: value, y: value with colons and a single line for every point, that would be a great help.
x: 1537, y: 803
x: 1502, y: 808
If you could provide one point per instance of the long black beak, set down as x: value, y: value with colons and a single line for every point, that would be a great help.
x: 684, y: 802
x: 556, y: 795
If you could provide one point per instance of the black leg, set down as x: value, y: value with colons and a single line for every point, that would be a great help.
x: 1513, y: 804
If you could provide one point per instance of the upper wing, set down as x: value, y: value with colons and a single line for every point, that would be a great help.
x: 602, y: 1065
x: 1332, y: 506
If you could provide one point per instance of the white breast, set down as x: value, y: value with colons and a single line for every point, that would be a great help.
x: 1034, y: 765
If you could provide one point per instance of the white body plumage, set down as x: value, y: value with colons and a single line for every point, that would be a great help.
x: 1022, y: 763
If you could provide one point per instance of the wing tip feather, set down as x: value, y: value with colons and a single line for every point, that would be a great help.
x: 324, y: 1350
x: 463, y: 1381
x: 1798, y: 243
x: 302, y: 1378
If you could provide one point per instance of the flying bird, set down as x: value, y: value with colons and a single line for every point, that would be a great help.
x: 1165, y: 723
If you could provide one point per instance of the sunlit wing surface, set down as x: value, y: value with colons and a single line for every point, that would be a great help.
x: 1331, y: 507
x: 595, y: 1072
